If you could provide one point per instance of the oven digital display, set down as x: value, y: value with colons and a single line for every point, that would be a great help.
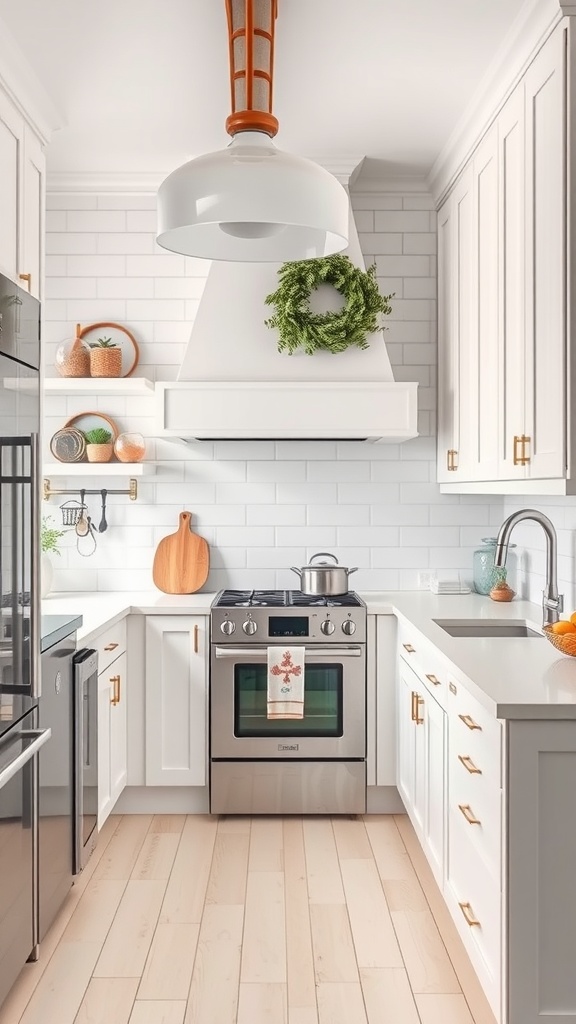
x: 288, y: 625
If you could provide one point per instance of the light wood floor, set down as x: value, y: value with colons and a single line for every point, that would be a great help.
x: 194, y: 920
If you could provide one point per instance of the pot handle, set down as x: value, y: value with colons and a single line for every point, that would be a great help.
x: 325, y: 554
x: 294, y: 569
x: 355, y: 569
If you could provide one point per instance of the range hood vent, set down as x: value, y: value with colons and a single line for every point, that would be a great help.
x: 234, y: 384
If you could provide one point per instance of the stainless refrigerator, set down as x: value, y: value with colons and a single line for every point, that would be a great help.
x: 20, y: 736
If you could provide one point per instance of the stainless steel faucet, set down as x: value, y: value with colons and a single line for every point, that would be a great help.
x: 552, y: 601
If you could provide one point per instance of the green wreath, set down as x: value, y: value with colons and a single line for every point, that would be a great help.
x: 299, y: 327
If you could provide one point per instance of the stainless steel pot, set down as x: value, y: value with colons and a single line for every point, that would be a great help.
x: 323, y: 579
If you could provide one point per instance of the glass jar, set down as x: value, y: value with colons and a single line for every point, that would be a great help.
x: 485, y: 573
x: 130, y: 447
x: 73, y: 358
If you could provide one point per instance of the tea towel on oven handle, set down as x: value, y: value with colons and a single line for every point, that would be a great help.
x: 285, y: 697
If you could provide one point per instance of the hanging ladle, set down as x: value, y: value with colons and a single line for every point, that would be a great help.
x: 83, y: 525
x: 103, y: 524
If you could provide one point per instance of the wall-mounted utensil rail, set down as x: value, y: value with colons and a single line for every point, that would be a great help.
x: 49, y: 492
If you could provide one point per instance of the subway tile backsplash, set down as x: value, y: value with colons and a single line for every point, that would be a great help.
x: 263, y: 506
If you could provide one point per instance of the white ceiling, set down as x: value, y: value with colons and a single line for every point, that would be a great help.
x: 143, y: 84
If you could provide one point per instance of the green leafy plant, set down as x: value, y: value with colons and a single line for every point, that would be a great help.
x: 98, y: 436
x: 299, y: 327
x: 49, y: 536
x: 103, y: 343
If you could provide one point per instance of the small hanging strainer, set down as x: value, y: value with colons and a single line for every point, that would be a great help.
x: 72, y: 511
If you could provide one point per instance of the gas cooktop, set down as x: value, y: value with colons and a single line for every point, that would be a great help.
x: 283, y: 599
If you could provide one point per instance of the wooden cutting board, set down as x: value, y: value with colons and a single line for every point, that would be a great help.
x: 182, y: 560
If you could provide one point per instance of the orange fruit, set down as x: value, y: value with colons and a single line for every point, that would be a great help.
x: 563, y: 627
x: 573, y: 618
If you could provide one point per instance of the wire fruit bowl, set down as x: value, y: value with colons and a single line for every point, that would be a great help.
x: 564, y: 642
x: 72, y: 511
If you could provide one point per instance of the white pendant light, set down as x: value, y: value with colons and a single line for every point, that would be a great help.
x: 251, y: 202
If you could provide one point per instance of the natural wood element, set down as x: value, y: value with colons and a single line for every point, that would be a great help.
x: 156, y: 857
x: 168, y: 823
x: 334, y: 958
x: 424, y: 953
x: 299, y: 956
x: 94, y: 914
x: 372, y: 931
x: 324, y: 881
x: 121, y: 853
x: 66, y: 978
x: 443, y: 1009
x: 126, y: 948
x: 340, y: 1004
x: 157, y: 1012
x: 108, y: 1000
x: 266, y: 845
x: 264, y: 942
x: 168, y: 969
x: 182, y: 560
x: 214, y: 989
x: 262, y: 1004
x: 388, y: 997
x: 352, y: 840
x: 186, y: 890
x: 227, y: 883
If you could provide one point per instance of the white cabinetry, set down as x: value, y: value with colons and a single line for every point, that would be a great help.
x: 502, y: 334
x: 176, y: 700
x: 112, y: 748
x: 22, y: 173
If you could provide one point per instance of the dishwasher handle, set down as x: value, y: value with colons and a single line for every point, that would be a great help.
x: 39, y: 737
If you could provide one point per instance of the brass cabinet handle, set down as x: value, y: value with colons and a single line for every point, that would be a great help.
x: 413, y: 697
x: 468, y: 914
x: 469, y: 722
x: 416, y: 701
x: 409, y: 648
x: 115, y: 699
x: 432, y: 678
x: 469, y: 764
x: 451, y: 457
x: 196, y: 639
x: 452, y: 687
x: 27, y: 278
x: 520, y: 441
x: 469, y: 814
x: 111, y: 647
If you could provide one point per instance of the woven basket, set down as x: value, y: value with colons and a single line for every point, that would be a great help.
x: 565, y: 642
x: 99, y: 452
x: 105, y: 362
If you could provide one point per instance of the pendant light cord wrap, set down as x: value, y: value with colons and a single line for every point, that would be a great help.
x: 299, y: 327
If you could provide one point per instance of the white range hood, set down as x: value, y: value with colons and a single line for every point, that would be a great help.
x: 235, y: 385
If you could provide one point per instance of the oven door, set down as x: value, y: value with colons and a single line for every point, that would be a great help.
x: 334, y: 722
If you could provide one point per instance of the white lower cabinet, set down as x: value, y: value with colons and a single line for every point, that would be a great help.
x: 112, y: 745
x: 176, y: 692
x: 421, y: 763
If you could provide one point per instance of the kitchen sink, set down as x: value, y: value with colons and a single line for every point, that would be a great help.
x: 487, y: 627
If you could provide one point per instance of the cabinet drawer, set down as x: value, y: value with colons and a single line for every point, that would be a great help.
x: 110, y: 644
x: 477, y: 811
x: 473, y: 895
x: 425, y: 661
x: 473, y: 731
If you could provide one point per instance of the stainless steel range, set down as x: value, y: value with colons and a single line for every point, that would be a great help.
x: 313, y: 765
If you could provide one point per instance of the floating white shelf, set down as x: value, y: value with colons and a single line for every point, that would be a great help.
x: 98, y: 386
x: 100, y: 469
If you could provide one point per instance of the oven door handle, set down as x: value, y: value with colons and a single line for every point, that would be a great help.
x: 39, y: 737
x: 353, y: 651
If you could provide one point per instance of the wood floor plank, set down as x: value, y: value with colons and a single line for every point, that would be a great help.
x: 107, y: 1001
x: 126, y: 947
x: 168, y: 969
x: 235, y: 823
x: 214, y: 989
x: 390, y: 854
x: 157, y: 1012
x: 95, y: 912
x: 264, y: 942
x: 443, y: 1009
x: 156, y: 857
x: 404, y: 894
x: 167, y: 823
x: 227, y: 882
x: 299, y: 954
x: 123, y: 849
x: 61, y: 989
x: 322, y: 867
x: 341, y: 1004
x: 372, y: 930
x: 262, y: 1004
x: 387, y: 996
x: 334, y: 956
x: 186, y: 890
x: 352, y: 840
x: 266, y: 845
x: 425, y: 957
x: 302, y: 1015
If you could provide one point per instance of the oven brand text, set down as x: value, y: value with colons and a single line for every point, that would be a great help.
x: 288, y: 746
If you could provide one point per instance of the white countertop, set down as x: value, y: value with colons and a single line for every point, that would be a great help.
x: 523, y: 677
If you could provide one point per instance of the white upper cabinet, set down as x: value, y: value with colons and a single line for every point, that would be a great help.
x: 22, y: 174
x: 502, y: 382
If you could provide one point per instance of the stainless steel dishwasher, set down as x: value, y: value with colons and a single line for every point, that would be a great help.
x: 85, y: 756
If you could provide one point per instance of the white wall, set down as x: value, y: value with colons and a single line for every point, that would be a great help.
x: 531, y: 547
x: 262, y: 506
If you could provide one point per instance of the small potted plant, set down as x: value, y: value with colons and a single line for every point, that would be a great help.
x: 105, y: 358
x: 99, y: 445
x: 49, y: 537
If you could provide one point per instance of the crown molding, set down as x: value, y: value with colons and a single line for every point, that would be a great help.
x: 534, y: 24
x: 398, y: 183
x: 24, y: 88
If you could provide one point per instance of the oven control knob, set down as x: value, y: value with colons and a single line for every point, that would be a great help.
x: 348, y: 627
x: 228, y: 627
x: 327, y: 627
x: 250, y: 627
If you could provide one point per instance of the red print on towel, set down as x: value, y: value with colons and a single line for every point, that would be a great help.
x: 286, y: 668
